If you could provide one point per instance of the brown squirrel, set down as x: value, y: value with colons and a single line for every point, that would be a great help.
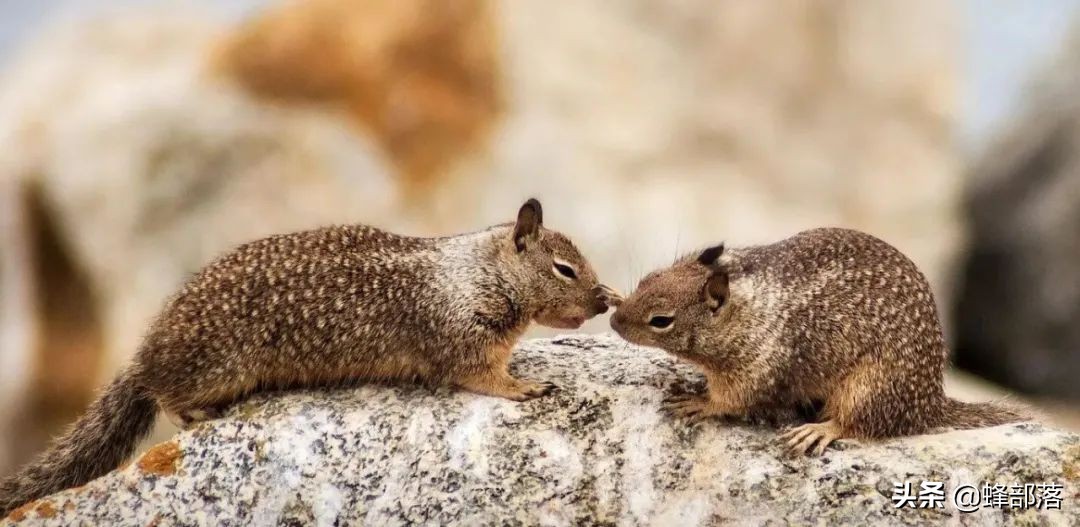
x: 829, y: 316
x: 325, y: 306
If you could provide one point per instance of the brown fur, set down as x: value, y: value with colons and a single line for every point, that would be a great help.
x: 830, y: 316
x: 325, y: 307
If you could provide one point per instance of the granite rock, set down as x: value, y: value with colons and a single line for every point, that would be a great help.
x: 598, y: 451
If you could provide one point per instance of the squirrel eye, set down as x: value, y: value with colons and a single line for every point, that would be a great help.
x: 661, y: 322
x: 566, y: 271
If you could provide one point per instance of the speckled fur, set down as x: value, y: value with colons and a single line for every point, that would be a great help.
x: 325, y: 307
x: 829, y: 316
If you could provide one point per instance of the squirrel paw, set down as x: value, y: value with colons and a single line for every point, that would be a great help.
x: 801, y: 439
x: 691, y: 407
x: 533, y: 390
x: 502, y: 385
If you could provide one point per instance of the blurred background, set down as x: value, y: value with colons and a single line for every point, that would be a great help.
x: 139, y: 139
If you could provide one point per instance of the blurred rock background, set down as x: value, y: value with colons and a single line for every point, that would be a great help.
x: 141, y: 139
x: 1018, y: 311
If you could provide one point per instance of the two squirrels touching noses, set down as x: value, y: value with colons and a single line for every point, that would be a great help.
x: 832, y: 318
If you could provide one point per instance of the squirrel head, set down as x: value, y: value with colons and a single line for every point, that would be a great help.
x: 563, y: 288
x: 671, y: 307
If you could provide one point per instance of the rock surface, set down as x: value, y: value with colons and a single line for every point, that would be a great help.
x: 599, y: 451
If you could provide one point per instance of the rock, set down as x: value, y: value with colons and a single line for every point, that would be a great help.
x: 1019, y: 301
x: 598, y: 451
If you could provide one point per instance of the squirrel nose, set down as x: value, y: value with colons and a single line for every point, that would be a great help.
x: 599, y: 306
x: 604, y: 297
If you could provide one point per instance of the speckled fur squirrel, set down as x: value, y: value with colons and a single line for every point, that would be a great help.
x: 829, y: 316
x: 324, y: 307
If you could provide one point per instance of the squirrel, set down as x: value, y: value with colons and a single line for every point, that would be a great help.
x: 830, y: 317
x: 327, y: 306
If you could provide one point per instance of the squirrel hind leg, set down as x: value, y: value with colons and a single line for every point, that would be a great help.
x: 876, y: 402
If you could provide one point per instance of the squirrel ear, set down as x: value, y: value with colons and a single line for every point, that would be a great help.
x: 715, y: 292
x: 709, y: 256
x: 530, y: 218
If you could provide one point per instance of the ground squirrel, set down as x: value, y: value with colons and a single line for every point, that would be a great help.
x: 324, y: 307
x: 832, y: 317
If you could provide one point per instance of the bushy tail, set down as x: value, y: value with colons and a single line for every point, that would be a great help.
x: 96, y: 444
x: 962, y: 415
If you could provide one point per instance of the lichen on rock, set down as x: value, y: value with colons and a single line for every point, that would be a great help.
x: 161, y: 460
x: 598, y: 451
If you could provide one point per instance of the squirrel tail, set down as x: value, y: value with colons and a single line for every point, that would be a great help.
x: 97, y: 443
x: 963, y: 415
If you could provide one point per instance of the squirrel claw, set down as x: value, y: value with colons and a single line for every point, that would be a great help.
x: 802, y: 439
x: 694, y: 408
x: 539, y: 389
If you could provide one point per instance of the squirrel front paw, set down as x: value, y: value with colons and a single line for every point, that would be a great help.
x: 502, y: 385
x: 692, y: 407
x: 802, y: 439
x: 526, y: 390
x: 533, y: 389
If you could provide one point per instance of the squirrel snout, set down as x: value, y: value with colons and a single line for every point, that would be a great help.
x: 618, y: 321
x: 599, y: 306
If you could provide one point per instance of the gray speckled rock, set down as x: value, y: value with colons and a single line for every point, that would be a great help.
x: 597, y: 452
